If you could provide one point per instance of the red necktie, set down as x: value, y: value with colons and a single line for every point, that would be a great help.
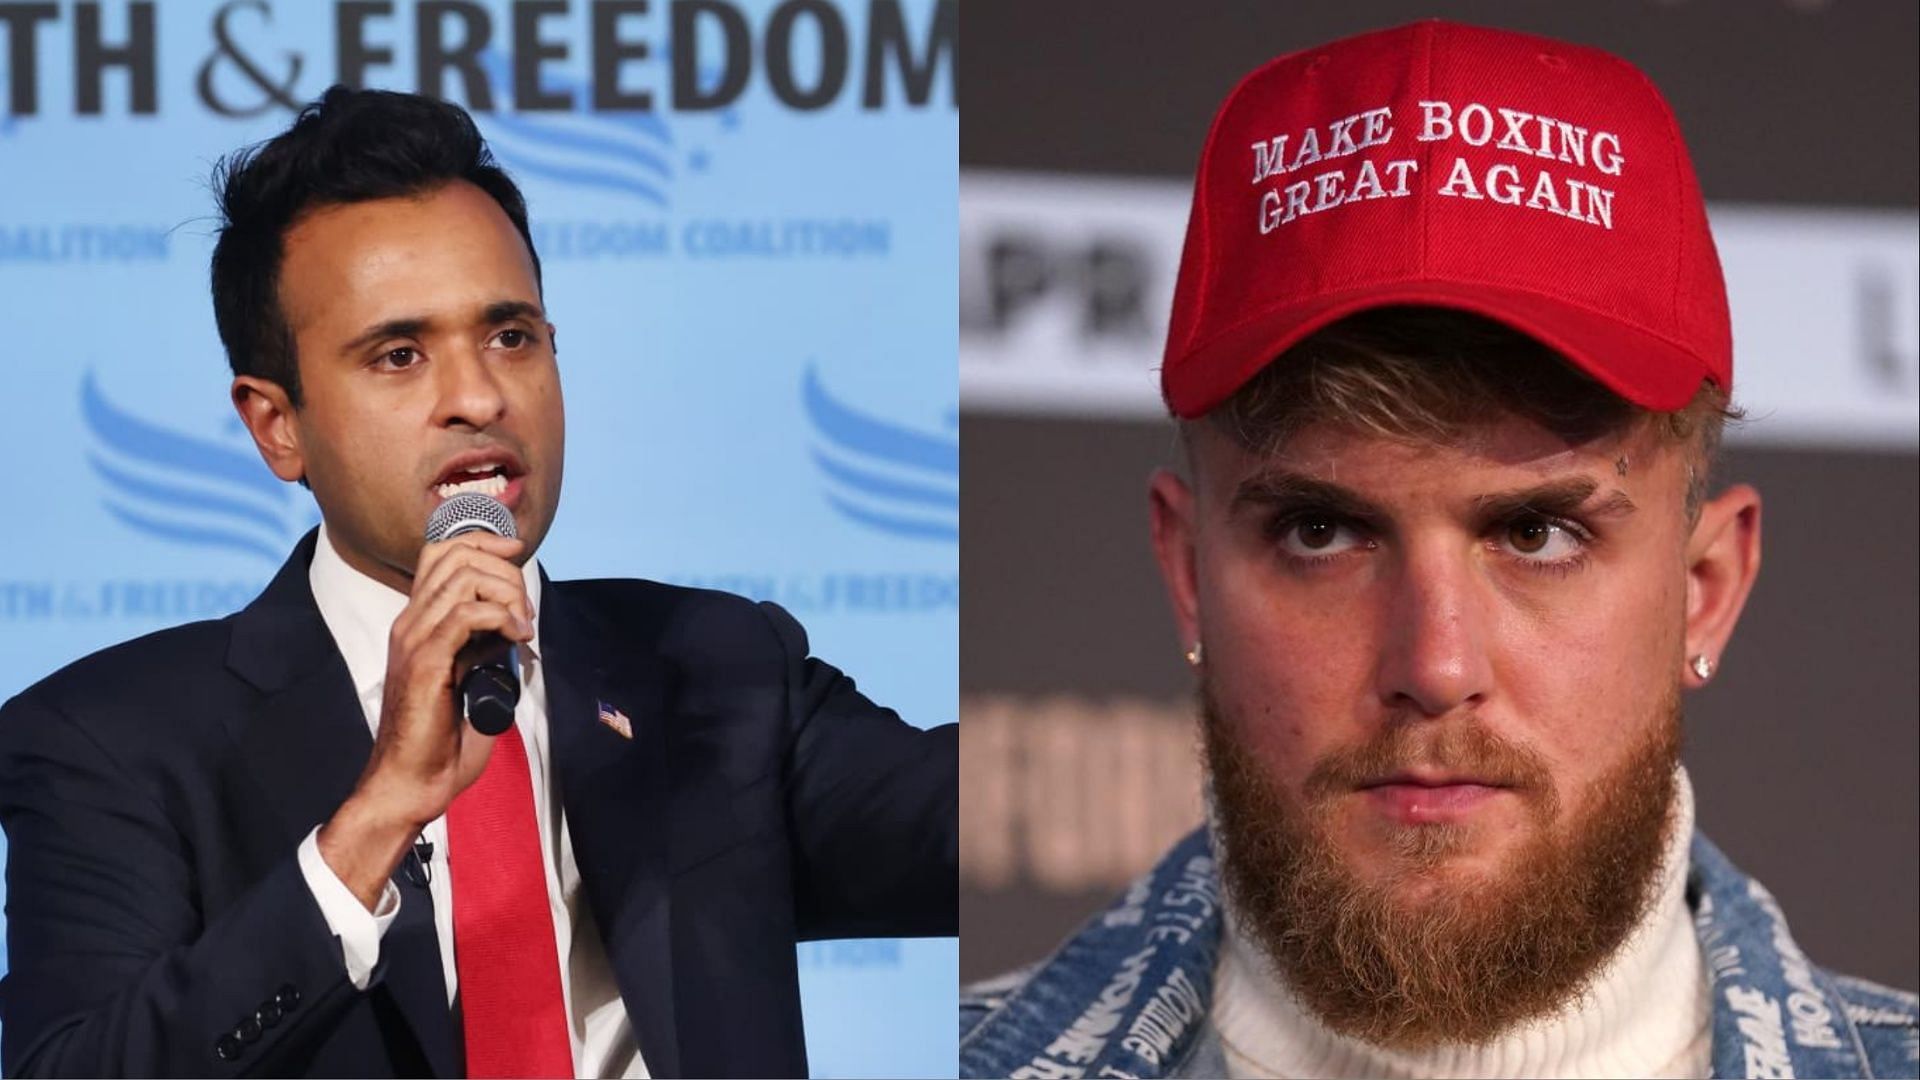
x: 503, y: 948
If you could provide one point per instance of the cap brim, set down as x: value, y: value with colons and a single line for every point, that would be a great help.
x: 1642, y: 367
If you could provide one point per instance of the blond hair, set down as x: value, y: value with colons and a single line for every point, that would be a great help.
x: 1428, y: 375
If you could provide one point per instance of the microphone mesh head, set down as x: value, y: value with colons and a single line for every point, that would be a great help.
x: 468, y: 511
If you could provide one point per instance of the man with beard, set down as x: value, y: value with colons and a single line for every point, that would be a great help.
x: 1451, y: 359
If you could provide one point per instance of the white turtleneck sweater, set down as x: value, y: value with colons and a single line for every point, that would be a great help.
x: 1646, y: 1014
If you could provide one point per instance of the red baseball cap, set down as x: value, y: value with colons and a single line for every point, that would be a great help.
x: 1540, y: 184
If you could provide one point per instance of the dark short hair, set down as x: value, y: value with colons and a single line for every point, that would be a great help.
x: 348, y: 146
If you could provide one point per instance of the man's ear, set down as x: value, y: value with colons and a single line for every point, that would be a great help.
x: 1171, y: 505
x: 267, y: 411
x: 1723, y: 558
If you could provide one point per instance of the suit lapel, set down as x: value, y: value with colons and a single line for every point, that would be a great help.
x: 305, y: 747
x: 418, y: 986
x: 617, y: 796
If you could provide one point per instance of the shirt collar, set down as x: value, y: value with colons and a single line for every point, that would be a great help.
x: 359, y: 612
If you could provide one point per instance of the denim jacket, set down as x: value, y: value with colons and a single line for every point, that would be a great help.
x: 1129, y: 994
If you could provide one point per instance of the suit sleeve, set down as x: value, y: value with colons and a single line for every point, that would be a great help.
x: 115, y: 969
x: 873, y: 804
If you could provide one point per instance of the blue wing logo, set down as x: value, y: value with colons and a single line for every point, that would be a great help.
x: 188, y: 490
x: 627, y: 153
x: 884, y: 475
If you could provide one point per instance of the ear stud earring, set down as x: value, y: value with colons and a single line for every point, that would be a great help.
x: 1193, y: 655
x: 1703, y: 666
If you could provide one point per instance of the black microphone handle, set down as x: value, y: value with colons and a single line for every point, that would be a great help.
x: 490, y: 689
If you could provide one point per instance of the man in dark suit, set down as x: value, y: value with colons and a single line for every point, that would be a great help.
x: 271, y: 844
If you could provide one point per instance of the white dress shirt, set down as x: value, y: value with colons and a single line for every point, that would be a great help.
x: 359, y: 613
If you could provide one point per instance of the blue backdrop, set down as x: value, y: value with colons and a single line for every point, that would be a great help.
x: 747, y: 216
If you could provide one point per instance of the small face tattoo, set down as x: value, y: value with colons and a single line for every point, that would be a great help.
x: 1620, y: 465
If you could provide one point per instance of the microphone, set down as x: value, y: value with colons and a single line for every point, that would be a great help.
x: 419, y: 867
x: 491, y: 687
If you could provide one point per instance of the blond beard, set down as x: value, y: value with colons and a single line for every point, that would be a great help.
x: 1455, y: 966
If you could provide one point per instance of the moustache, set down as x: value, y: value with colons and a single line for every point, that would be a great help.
x: 1422, y: 751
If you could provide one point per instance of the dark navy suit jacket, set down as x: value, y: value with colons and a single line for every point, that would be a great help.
x: 155, y: 795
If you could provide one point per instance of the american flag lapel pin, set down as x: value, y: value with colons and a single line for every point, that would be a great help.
x: 616, y: 720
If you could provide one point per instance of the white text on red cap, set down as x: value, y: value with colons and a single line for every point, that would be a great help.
x: 1536, y: 137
